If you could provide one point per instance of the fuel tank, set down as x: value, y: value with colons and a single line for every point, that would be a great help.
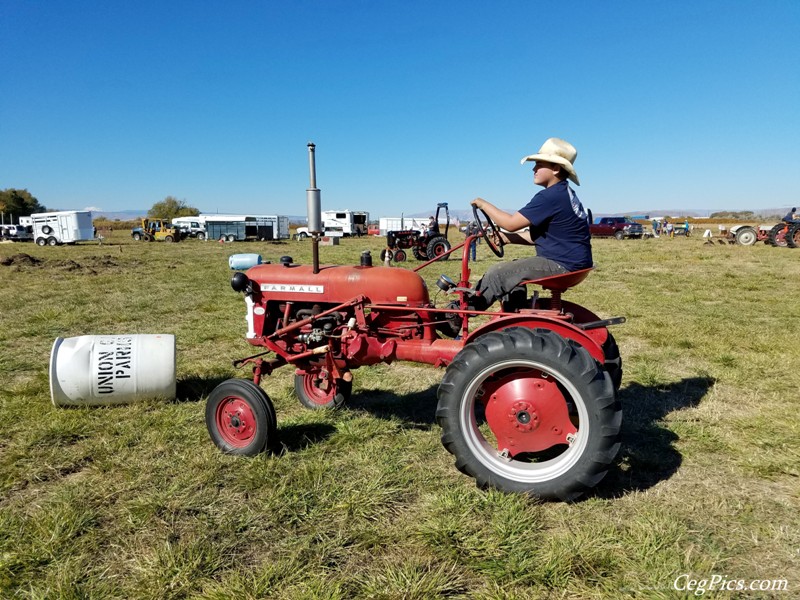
x: 339, y: 283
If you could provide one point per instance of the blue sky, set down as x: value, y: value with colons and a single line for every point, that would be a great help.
x: 672, y: 105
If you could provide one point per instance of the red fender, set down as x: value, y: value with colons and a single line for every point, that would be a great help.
x: 562, y: 328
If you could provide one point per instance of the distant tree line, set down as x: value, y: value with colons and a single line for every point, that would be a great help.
x: 743, y: 215
x: 18, y: 203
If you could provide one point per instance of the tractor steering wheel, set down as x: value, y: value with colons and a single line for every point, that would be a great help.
x: 491, y: 234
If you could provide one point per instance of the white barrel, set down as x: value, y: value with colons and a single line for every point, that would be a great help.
x: 244, y: 261
x: 95, y: 370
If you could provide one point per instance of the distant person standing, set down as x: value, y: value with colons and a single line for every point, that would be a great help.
x: 472, y: 229
x: 655, y: 228
x: 668, y: 228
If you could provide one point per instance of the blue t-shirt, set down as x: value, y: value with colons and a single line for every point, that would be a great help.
x: 560, y: 227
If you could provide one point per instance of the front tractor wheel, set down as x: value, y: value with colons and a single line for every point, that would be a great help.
x: 527, y: 411
x: 240, y: 418
x: 400, y: 256
x: 318, y: 390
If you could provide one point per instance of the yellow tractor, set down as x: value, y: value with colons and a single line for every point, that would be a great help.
x: 156, y: 230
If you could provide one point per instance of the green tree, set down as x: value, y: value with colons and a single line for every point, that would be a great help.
x: 170, y: 207
x: 18, y: 203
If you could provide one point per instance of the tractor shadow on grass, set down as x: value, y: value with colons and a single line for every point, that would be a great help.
x: 192, y: 389
x: 297, y: 437
x: 415, y: 411
x: 648, y: 455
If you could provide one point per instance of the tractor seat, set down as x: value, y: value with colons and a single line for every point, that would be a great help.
x: 556, y: 285
x: 562, y: 282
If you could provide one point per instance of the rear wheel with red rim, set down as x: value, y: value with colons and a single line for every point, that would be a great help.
x: 528, y: 411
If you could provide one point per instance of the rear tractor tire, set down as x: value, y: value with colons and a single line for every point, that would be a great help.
x: 437, y: 246
x: 777, y: 236
x: 527, y: 411
x: 793, y: 236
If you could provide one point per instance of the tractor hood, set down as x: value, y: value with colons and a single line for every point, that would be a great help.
x: 298, y: 283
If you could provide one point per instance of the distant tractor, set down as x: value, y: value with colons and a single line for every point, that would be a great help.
x: 747, y: 235
x: 156, y: 229
x: 428, y: 245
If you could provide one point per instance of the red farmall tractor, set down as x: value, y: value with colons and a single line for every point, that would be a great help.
x: 528, y: 402
x: 424, y: 246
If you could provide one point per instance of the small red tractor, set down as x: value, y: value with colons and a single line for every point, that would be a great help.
x: 424, y: 246
x: 528, y: 402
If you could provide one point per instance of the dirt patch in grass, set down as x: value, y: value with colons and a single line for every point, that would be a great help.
x: 20, y: 260
x: 91, y: 265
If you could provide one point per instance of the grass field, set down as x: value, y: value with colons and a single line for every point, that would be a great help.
x: 136, y: 502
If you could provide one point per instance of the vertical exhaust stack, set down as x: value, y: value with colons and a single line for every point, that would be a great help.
x: 314, y: 208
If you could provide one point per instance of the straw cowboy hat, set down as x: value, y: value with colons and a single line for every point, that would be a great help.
x: 559, y: 152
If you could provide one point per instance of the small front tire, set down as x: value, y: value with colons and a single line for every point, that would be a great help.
x: 240, y: 418
x: 316, y: 392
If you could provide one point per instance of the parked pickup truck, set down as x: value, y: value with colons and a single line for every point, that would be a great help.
x: 619, y: 227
